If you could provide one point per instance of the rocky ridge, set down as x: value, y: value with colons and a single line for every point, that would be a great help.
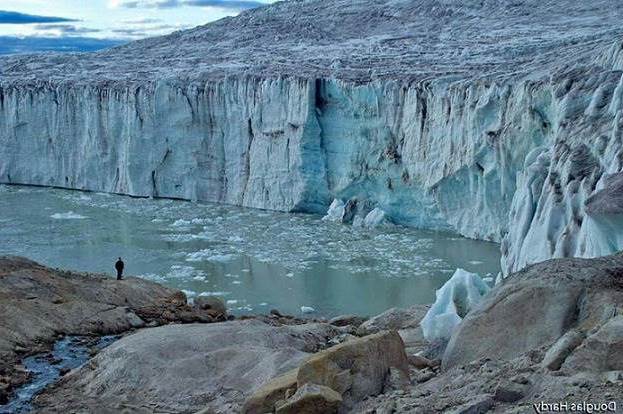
x: 39, y: 305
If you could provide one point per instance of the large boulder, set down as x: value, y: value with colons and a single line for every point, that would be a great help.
x: 394, y: 319
x: 357, y: 368
x: 535, y: 307
x: 187, y: 368
x: 354, y: 370
x: 264, y: 398
x: 601, y: 351
x: 212, y: 304
x: 405, y: 321
x: 311, y: 399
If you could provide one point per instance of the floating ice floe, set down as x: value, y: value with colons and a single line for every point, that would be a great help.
x: 353, y: 212
x: 216, y: 293
x: 453, y: 300
x: 70, y: 215
x: 153, y: 277
x: 178, y: 237
x: 181, y: 223
x: 307, y: 309
x: 223, y: 258
x: 184, y: 272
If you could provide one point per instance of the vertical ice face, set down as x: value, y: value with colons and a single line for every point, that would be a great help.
x: 243, y: 141
x: 434, y: 156
x: 567, y: 201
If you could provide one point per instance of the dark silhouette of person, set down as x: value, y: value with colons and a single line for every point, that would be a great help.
x: 119, y: 266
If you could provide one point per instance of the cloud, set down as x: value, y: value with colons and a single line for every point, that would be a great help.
x: 169, y: 4
x: 130, y: 32
x: 9, y: 17
x: 227, y: 4
x: 33, y: 44
x: 143, y: 21
x: 65, y: 29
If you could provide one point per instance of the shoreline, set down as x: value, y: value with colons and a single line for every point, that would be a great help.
x: 174, y: 338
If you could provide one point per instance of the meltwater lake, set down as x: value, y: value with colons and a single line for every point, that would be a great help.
x: 255, y: 260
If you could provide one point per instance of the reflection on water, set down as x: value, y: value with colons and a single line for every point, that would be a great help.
x: 256, y: 260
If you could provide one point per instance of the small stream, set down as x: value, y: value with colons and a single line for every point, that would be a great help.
x: 68, y: 353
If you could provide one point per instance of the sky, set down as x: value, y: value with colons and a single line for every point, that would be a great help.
x: 84, y: 25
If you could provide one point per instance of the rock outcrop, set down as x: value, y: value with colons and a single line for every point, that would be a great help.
x: 539, y: 305
x: 187, y: 368
x: 337, y: 378
x: 550, y: 333
x: 39, y: 304
x: 497, y: 119
x: 311, y: 399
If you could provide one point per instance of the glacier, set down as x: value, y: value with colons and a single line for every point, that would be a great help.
x: 441, y: 115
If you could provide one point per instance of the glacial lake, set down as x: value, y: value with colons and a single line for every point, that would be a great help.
x: 255, y: 260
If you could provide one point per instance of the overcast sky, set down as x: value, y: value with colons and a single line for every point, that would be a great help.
x: 33, y: 25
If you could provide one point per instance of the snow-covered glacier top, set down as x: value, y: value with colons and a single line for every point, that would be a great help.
x: 354, y: 40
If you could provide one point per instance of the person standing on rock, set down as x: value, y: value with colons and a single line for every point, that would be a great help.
x: 119, y: 266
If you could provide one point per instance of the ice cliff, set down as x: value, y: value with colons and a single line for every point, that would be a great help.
x: 501, y: 120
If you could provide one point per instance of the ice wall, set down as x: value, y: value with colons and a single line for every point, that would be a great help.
x: 242, y: 141
x: 567, y: 201
x: 513, y: 160
x: 429, y: 155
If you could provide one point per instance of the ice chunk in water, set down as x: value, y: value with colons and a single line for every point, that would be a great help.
x: 375, y: 218
x: 336, y: 211
x: 307, y: 309
x: 67, y: 216
x: 455, y: 298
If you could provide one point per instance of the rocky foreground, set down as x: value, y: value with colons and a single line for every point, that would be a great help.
x: 551, y: 333
x: 38, y: 305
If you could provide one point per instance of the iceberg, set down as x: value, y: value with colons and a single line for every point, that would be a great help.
x: 70, y: 215
x: 336, y: 211
x: 307, y: 309
x: 375, y: 218
x: 453, y: 301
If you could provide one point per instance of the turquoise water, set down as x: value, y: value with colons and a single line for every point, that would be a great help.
x: 256, y: 260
